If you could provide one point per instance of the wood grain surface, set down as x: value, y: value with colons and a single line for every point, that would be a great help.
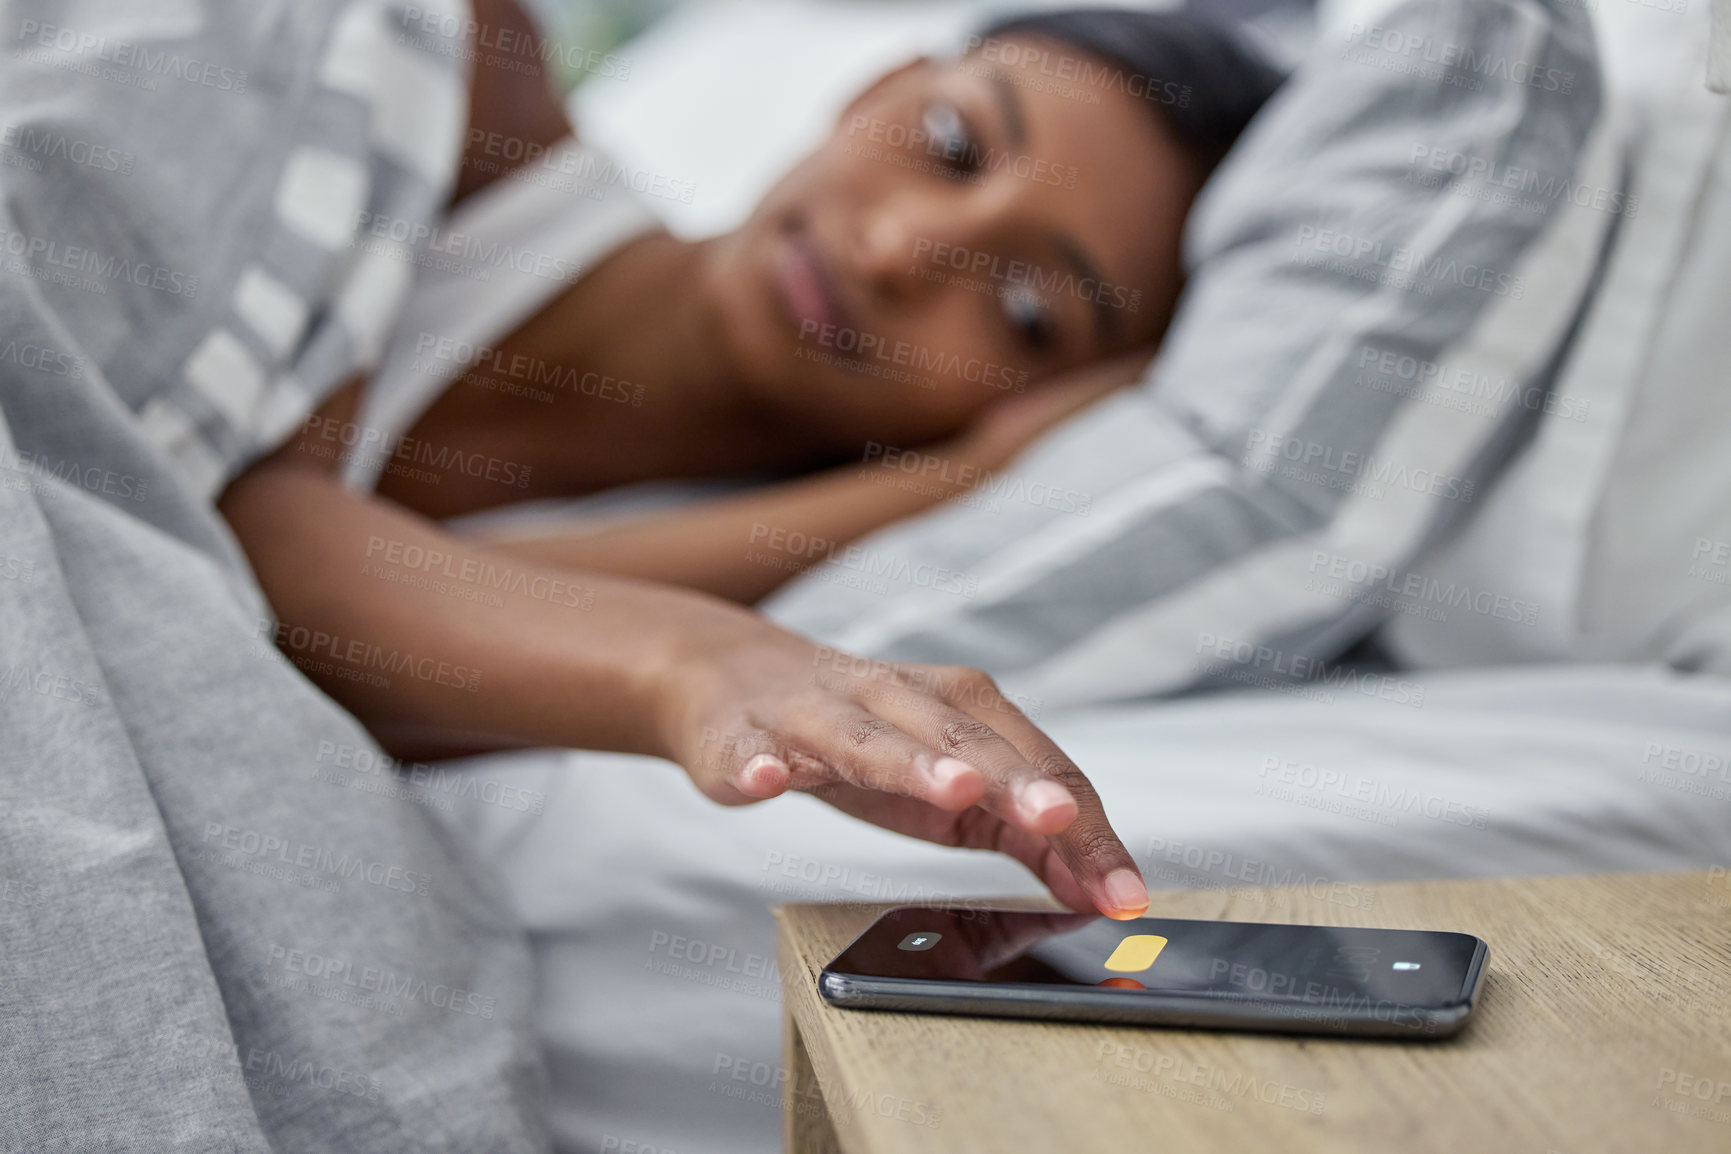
x: 1604, y: 1025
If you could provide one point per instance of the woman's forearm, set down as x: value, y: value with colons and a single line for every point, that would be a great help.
x: 743, y: 547
x: 427, y: 637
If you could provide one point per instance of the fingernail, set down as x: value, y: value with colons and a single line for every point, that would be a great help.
x: 1126, y: 892
x: 1043, y: 795
x: 764, y: 770
x: 947, y: 770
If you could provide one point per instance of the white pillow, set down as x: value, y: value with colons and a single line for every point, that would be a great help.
x: 1615, y: 524
x: 1304, y: 437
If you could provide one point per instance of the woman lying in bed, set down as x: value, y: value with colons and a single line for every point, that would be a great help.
x: 983, y: 245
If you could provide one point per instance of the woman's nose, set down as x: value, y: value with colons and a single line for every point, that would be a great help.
x: 885, y: 251
x: 906, y: 244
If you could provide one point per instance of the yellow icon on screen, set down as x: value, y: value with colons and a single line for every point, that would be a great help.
x: 1135, y: 953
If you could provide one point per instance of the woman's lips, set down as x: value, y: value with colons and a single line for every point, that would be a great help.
x: 806, y: 291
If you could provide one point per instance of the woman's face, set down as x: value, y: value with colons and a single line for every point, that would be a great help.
x: 970, y: 228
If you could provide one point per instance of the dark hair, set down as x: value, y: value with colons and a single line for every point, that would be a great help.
x: 1198, y: 73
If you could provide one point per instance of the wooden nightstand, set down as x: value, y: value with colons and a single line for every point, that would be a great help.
x: 1604, y: 1025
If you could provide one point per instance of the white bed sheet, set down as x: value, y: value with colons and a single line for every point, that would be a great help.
x: 649, y: 907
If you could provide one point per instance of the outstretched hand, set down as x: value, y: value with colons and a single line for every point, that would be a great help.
x: 935, y: 752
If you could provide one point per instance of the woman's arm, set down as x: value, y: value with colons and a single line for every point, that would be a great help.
x: 424, y: 636
x: 513, y: 110
x: 744, y: 547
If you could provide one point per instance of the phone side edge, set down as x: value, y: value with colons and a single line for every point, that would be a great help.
x: 860, y: 992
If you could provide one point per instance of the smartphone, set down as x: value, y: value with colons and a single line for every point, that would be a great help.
x: 1161, y: 972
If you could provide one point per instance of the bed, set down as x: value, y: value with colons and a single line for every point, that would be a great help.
x: 649, y: 909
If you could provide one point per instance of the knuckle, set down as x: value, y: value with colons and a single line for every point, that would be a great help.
x: 868, y: 732
x: 963, y: 733
x: 1095, y: 844
x: 1052, y: 763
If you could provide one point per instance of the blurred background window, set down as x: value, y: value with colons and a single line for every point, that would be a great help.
x: 718, y: 97
x: 601, y: 27
x: 595, y: 26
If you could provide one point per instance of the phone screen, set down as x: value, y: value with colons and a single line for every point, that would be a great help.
x: 1328, y: 969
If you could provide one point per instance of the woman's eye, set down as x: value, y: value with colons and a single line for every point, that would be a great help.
x: 948, y: 139
x: 1029, y: 316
